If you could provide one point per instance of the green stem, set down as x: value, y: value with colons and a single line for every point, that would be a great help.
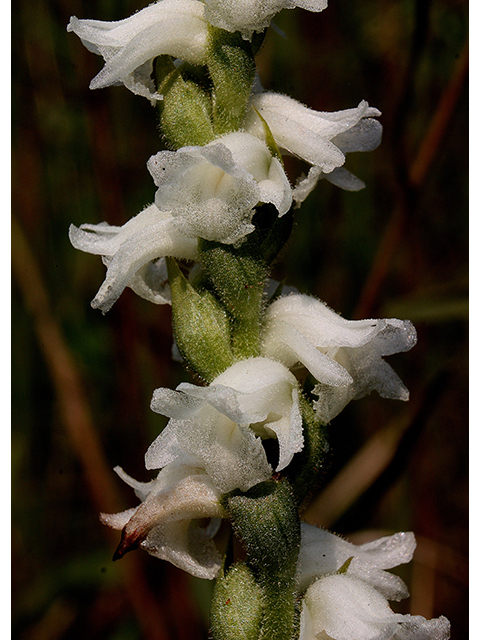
x: 238, y: 276
x: 231, y: 65
x: 266, y: 519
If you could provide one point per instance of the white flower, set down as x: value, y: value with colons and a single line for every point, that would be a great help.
x: 218, y: 425
x: 323, y: 553
x: 167, y: 523
x: 128, y: 252
x: 170, y: 27
x: 344, y: 356
x: 320, y: 138
x: 212, y: 190
x: 344, y: 607
x: 252, y: 15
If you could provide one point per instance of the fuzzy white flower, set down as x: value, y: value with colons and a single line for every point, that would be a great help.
x: 344, y: 356
x: 252, y: 15
x: 221, y: 425
x: 169, y: 27
x: 344, y: 607
x: 323, y: 553
x: 320, y: 138
x: 131, y: 254
x: 212, y: 190
x: 168, y: 523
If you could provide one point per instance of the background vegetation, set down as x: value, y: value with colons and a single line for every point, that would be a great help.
x: 82, y: 383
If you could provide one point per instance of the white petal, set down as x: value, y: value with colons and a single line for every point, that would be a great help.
x: 366, y: 135
x: 390, y: 551
x: 346, y: 608
x: 252, y: 15
x: 323, y: 553
x: 173, y: 27
x: 151, y: 282
x: 186, y: 545
x: 342, y: 178
x: 232, y: 456
x: 218, y: 424
x: 128, y: 250
x: 211, y: 191
x: 283, y: 342
x: 305, y: 132
x: 344, y: 356
x: 117, y: 520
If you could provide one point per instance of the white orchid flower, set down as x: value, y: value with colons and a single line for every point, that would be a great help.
x: 344, y: 356
x: 323, y: 553
x: 133, y: 254
x: 169, y: 27
x: 221, y: 425
x: 320, y: 138
x: 168, y: 523
x: 344, y: 607
x: 252, y: 15
x: 212, y: 190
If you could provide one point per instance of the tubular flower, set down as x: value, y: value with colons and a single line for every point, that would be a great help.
x: 221, y: 425
x: 320, y: 138
x: 211, y: 191
x: 167, y: 521
x: 133, y: 254
x: 324, y: 553
x: 344, y: 356
x: 344, y: 607
x: 252, y: 15
x: 169, y: 27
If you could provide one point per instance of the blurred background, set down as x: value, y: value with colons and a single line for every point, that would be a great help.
x: 82, y: 383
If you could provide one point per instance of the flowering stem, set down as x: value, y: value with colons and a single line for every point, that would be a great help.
x: 231, y: 66
x: 305, y: 472
x: 266, y: 519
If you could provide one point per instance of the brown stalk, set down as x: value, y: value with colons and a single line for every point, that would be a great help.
x: 77, y: 420
x: 417, y: 173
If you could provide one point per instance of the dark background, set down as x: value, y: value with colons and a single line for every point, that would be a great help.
x: 82, y: 382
